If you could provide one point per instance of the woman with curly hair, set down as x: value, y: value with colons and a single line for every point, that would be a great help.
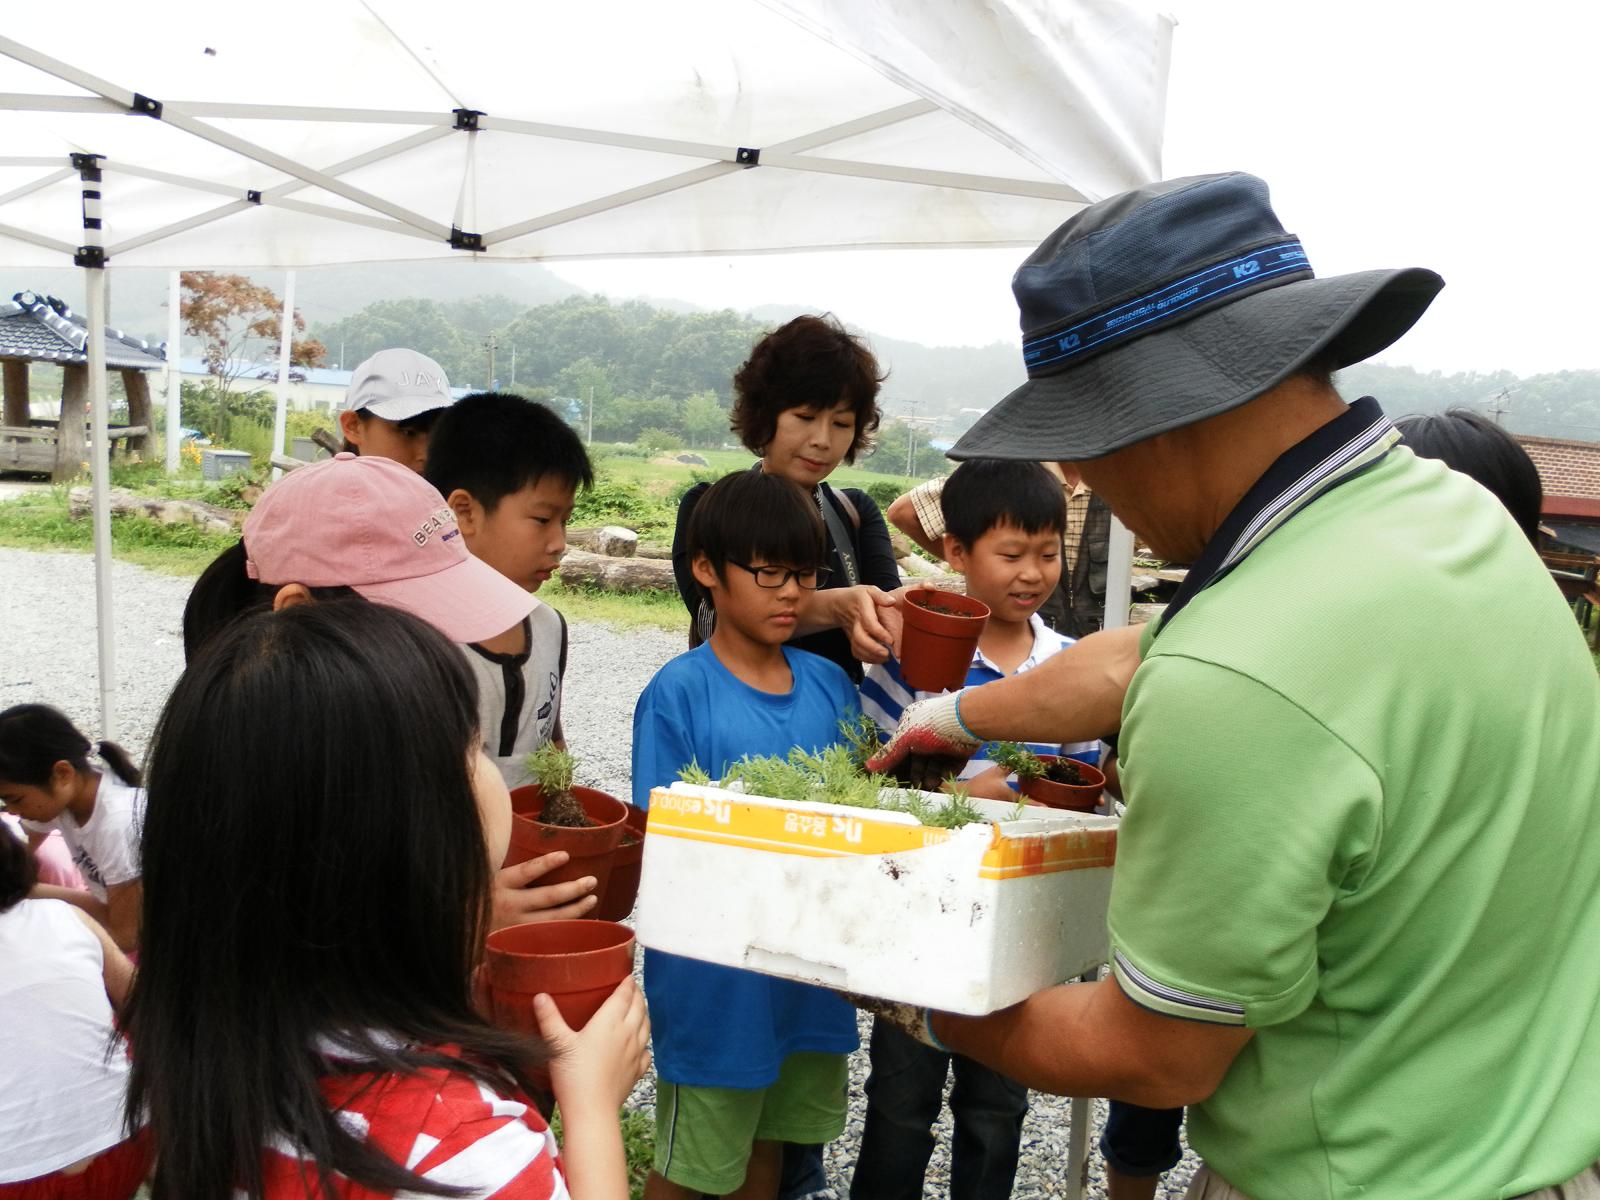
x: 806, y: 400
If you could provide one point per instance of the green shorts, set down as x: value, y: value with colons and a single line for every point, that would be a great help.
x: 704, y: 1134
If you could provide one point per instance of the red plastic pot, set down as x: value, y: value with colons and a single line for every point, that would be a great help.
x: 592, y: 849
x: 1079, y: 797
x: 936, y: 648
x: 577, y: 963
x: 626, y: 864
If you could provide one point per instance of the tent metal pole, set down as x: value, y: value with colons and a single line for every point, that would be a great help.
x: 285, y: 344
x: 91, y: 257
x: 174, y: 368
x: 1037, y: 189
x: 277, y: 195
x: 1119, y: 575
x: 605, y: 203
x: 28, y: 189
x: 37, y: 239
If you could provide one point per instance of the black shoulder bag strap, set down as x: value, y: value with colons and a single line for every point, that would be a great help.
x: 839, y: 536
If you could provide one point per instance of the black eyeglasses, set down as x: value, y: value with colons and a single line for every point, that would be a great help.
x: 810, y: 578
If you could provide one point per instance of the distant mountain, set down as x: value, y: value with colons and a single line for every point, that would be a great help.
x: 322, y: 294
x: 1564, y: 404
x: 939, y: 382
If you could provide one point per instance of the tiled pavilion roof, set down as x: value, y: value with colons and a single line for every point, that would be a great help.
x: 43, y: 329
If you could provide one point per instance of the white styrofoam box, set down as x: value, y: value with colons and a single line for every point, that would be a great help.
x: 968, y: 920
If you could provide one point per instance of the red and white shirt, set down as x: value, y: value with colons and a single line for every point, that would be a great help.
x: 442, y: 1124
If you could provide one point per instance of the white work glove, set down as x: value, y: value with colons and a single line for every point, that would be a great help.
x: 930, y: 743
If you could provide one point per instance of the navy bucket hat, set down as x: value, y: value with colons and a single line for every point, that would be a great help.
x: 1169, y: 304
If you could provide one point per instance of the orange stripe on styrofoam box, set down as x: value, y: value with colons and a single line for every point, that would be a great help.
x: 1069, y: 850
x: 720, y: 820
x: 782, y: 830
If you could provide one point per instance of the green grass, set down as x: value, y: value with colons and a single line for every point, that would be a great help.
x: 638, y: 1146
x: 40, y: 522
x: 659, y: 478
x: 624, y: 610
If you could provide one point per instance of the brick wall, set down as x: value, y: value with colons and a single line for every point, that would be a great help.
x: 1566, y: 468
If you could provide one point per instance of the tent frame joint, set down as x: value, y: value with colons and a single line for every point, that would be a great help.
x: 461, y: 240
x: 85, y: 163
x: 145, y: 106
x: 748, y: 156
x: 93, y: 257
x: 253, y: 195
x: 467, y: 118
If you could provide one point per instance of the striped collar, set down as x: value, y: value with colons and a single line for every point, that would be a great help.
x: 1046, y: 641
x: 1334, y: 454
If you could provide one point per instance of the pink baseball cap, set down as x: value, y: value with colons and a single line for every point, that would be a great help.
x: 380, y: 528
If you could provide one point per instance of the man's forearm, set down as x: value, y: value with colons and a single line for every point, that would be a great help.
x: 1088, y: 1039
x: 1074, y: 696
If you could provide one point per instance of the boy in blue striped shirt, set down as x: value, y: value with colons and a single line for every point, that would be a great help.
x: 1003, y: 528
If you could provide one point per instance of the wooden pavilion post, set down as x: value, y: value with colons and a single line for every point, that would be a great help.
x: 137, y: 386
x: 71, y: 436
x: 15, y: 412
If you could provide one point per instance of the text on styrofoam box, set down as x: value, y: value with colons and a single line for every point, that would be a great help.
x: 721, y: 811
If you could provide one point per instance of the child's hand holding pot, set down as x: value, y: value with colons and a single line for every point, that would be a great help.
x: 598, y: 1064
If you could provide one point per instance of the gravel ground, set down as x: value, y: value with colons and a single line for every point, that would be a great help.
x: 51, y: 657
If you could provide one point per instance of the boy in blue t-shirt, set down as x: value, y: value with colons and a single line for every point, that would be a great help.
x: 745, y: 1062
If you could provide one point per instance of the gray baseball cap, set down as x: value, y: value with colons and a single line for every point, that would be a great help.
x: 398, y: 385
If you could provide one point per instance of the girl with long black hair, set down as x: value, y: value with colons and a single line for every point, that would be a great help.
x: 302, y: 1018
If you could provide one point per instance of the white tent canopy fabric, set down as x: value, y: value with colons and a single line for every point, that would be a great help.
x: 314, y: 132
x: 317, y: 132
x: 342, y: 131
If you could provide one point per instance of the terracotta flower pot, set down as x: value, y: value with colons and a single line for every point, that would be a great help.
x: 578, y: 963
x: 936, y: 647
x: 623, y: 889
x: 592, y: 848
x: 1079, y: 797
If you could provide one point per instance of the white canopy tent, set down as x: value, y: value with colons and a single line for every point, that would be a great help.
x: 312, y: 133
x: 200, y: 135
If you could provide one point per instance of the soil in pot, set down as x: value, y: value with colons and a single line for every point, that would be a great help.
x: 1066, y: 783
x: 577, y: 963
x: 563, y: 810
x: 626, y: 865
x: 940, y: 631
x: 591, y: 847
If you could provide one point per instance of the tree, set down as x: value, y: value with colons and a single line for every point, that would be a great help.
x: 239, y: 323
x: 705, y: 422
x: 420, y: 325
x: 890, y: 454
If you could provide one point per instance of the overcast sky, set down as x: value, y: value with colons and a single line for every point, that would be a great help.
x: 1459, y: 136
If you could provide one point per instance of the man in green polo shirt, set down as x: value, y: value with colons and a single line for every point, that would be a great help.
x: 1357, y: 901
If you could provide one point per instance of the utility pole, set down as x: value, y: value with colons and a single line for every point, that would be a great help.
x: 513, y: 365
x: 1501, y: 405
x: 911, y: 421
x: 489, y: 344
x: 911, y: 438
x: 589, y: 441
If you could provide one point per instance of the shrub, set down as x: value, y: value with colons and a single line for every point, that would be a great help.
x: 883, y: 492
x: 615, y: 501
x: 653, y: 441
